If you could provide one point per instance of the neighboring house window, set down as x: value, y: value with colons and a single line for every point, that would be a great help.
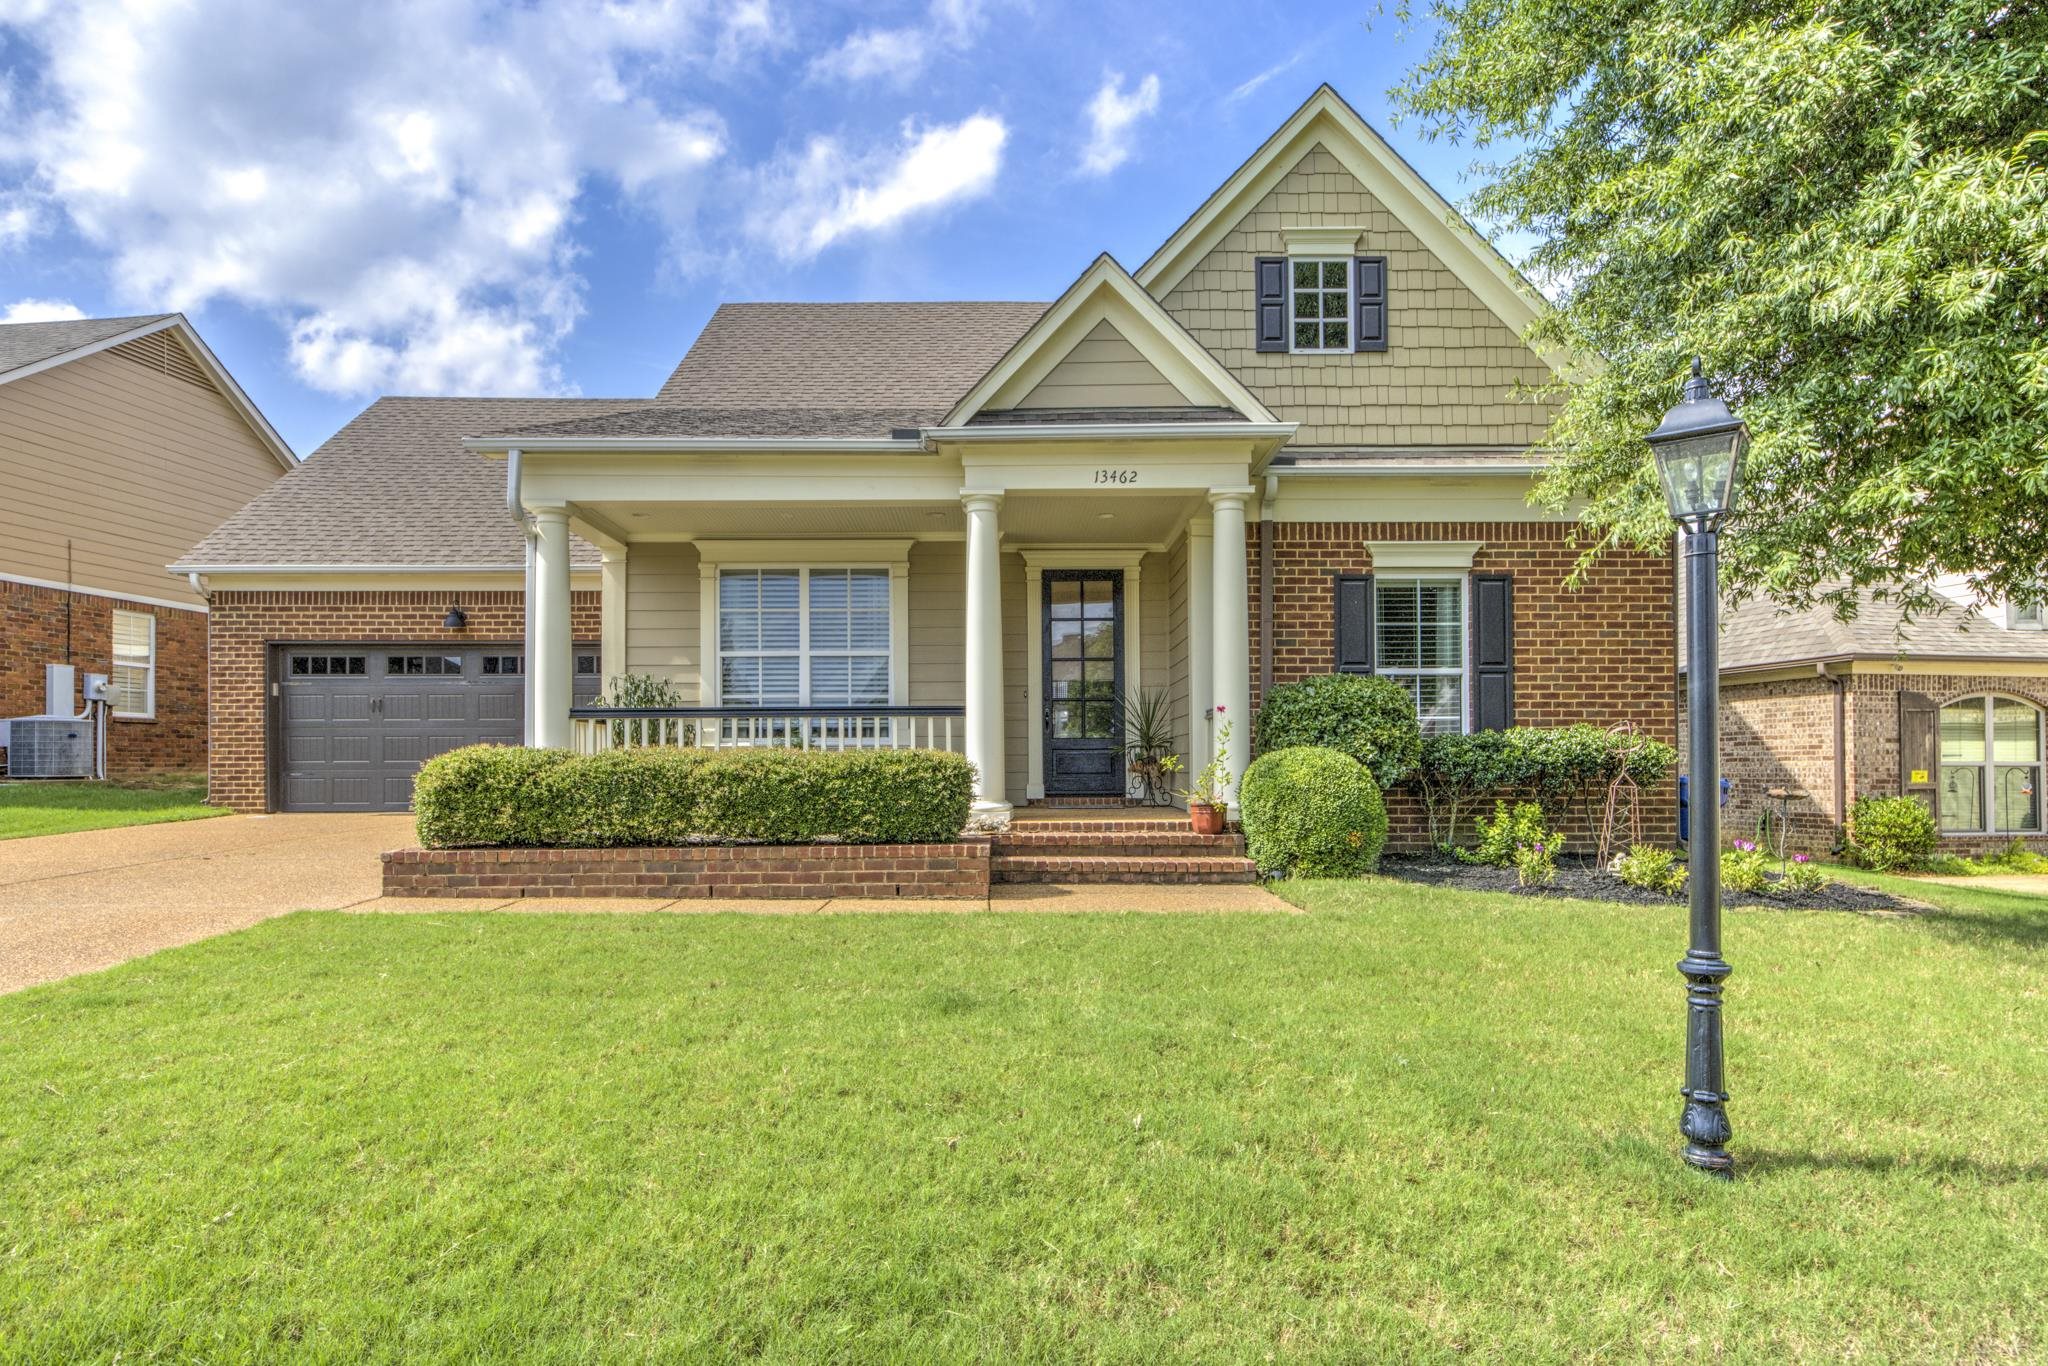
x: 1991, y: 752
x: 1419, y: 643
x: 1321, y: 304
x: 803, y: 637
x: 132, y: 685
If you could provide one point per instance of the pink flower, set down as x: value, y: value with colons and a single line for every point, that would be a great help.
x: 1219, y: 709
x: 1801, y: 858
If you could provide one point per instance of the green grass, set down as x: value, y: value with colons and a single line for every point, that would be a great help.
x: 59, y: 808
x: 1411, y: 1124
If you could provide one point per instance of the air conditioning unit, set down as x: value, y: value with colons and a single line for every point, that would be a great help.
x: 49, y: 747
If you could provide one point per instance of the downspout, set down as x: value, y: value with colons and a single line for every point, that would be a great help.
x: 1266, y: 586
x: 1841, y: 685
x: 517, y: 508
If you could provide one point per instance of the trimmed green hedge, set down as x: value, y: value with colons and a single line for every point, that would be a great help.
x: 1891, y: 833
x: 492, y: 795
x: 1371, y: 719
x: 1312, y: 812
x: 1567, y: 768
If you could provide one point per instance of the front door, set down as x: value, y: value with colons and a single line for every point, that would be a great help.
x: 1084, y: 682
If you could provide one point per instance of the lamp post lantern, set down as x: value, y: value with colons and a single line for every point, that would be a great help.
x: 1699, y: 448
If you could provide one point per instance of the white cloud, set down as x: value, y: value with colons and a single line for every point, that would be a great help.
x: 812, y: 200
x: 40, y: 311
x: 398, y: 183
x: 1112, y: 115
x: 896, y: 56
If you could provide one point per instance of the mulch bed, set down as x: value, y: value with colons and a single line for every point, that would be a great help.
x: 1588, y: 882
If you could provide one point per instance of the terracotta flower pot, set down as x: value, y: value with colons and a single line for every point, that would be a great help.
x: 1206, y: 819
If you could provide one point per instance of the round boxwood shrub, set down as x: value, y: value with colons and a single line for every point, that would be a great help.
x: 1370, y: 719
x: 1887, y: 833
x: 1312, y: 812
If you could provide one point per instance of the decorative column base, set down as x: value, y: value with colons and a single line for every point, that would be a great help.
x: 1704, y: 1121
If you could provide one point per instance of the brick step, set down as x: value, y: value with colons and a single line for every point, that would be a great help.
x: 1067, y: 868
x: 1120, y: 826
x: 1119, y: 843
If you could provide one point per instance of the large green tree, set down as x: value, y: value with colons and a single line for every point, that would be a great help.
x: 1842, y: 207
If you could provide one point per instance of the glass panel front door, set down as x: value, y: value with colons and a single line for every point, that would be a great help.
x: 1084, y: 678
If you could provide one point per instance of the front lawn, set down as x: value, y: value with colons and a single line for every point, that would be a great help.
x: 59, y: 808
x: 1413, y: 1123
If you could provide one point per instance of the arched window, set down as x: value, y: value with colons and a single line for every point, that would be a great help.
x: 1991, y: 749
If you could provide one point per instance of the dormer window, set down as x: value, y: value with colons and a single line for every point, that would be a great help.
x: 2023, y: 616
x: 1321, y: 296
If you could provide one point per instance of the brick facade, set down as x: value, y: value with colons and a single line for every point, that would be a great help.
x: 1780, y: 733
x: 957, y: 870
x: 35, y: 625
x: 1603, y: 653
x: 245, y: 624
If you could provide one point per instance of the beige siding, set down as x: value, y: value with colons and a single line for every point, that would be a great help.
x: 664, y: 606
x: 1177, y: 644
x: 1103, y: 371
x: 1155, y: 622
x: 938, y: 624
x: 132, y: 466
x: 1451, y: 364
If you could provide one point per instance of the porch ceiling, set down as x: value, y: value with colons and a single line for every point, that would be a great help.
x: 1110, y: 517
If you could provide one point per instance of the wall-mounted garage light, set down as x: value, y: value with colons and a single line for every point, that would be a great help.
x: 456, y: 618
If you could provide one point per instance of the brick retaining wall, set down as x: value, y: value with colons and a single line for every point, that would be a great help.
x: 943, y: 871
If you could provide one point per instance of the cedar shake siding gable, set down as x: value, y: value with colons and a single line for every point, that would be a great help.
x: 1449, y: 373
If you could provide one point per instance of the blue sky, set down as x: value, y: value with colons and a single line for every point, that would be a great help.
x: 441, y: 196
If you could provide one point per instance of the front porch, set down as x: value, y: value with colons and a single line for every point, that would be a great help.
x: 1010, y: 625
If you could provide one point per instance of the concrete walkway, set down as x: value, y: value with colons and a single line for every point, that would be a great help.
x: 78, y: 903
x: 2027, y: 884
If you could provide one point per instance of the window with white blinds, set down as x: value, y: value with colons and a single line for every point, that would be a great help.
x: 803, y: 637
x: 132, y: 682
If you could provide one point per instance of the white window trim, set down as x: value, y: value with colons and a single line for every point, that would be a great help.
x: 1350, y: 307
x: 1987, y: 770
x: 715, y: 557
x: 2020, y: 617
x: 149, y: 690
x: 1463, y: 673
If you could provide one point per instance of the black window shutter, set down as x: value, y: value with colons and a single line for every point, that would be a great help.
x: 1370, y: 276
x: 1269, y: 284
x: 1493, y: 651
x: 1354, y: 623
x: 1919, y: 749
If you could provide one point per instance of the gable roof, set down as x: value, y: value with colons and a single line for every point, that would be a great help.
x: 395, y: 489
x: 1325, y: 119
x: 30, y: 348
x: 772, y: 356
x: 658, y: 419
x: 1756, y: 634
x: 1106, y: 290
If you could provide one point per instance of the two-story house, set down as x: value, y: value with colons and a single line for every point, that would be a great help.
x: 122, y: 441
x: 1289, y: 442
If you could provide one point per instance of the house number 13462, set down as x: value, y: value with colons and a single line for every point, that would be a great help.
x: 1116, y: 476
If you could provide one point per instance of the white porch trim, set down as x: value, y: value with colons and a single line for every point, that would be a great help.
x: 984, y: 663
x: 1231, y: 647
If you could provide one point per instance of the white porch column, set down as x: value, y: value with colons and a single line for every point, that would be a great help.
x: 1231, y: 649
x: 612, y: 614
x: 1201, y: 663
x: 985, y: 651
x: 548, y: 637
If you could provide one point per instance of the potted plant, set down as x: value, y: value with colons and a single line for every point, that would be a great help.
x: 1206, y: 805
x: 1147, y: 746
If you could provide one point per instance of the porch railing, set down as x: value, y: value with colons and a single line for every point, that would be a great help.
x: 601, y: 728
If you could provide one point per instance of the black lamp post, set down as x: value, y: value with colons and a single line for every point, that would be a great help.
x: 1699, y: 448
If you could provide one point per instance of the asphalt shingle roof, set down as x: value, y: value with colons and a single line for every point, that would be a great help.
x: 26, y: 343
x: 1755, y: 634
x: 396, y: 487
x: 670, y: 420
x: 848, y: 356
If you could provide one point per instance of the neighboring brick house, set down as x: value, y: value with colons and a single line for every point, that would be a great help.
x: 1291, y: 442
x: 122, y: 441
x: 1948, y: 708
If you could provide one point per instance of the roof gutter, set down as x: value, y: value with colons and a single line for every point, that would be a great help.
x: 1101, y: 431
x: 1364, y: 468
x: 490, y: 445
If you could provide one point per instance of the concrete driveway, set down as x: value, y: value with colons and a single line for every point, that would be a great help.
x: 75, y: 903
